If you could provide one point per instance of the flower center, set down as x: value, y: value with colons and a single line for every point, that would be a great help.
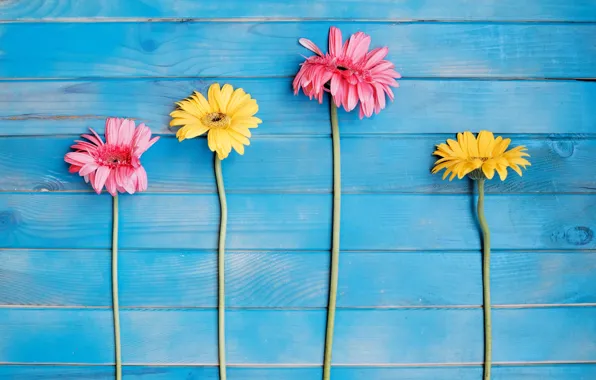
x: 114, y: 156
x: 483, y: 159
x: 216, y: 120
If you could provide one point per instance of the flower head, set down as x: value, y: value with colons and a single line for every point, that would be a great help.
x: 350, y: 73
x: 226, y: 116
x: 115, y: 163
x: 480, y: 156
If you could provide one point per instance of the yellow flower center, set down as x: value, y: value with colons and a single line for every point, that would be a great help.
x: 479, y: 158
x: 216, y: 120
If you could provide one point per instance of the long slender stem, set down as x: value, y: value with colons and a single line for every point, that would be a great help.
x: 334, y: 241
x: 485, y: 282
x: 115, y: 301
x: 221, y: 305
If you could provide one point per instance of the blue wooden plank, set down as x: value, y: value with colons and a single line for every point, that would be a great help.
x: 270, y: 49
x: 560, y: 164
x: 527, y: 372
x: 297, y: 221
x: 363, y: 337
x: 495, y: 10
x: 294, y: 279
x: 429, y: 106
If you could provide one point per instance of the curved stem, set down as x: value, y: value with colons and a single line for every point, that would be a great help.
x: 221, y: 306
x: 334, y: 241
x: 485, y: 282
x: 115, y: 302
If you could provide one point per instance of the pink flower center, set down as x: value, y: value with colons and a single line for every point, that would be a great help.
x: 114, y: 156
x: 352, y: 72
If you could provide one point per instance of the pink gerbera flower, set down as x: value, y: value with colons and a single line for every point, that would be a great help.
x: 350, y: 73
x: 115, y: 163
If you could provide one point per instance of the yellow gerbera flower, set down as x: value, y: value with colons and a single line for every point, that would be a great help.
x: 485, y: 154
x: 227, y: 116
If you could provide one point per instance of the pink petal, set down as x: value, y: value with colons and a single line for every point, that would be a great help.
x: 379, y: 96
x: 358, y: 46
x: 335, y: 84
x: 129, y: 185
x: 335, y: 38
x: 310, y: 46
x: 142, y: 179
x: 78, y: 158
x: 384, y: 65
x: 101, y: 176
x: 352, y: 98
x: 98, y: 141
x: 88, y: 168
x: 375, y: 56
x: 74, y: 169
x: 111, y: 186
x: 126, y: 132
x: 112, y: 127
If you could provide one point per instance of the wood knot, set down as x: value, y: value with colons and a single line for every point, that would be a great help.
x: 564, y: 148
x: 579, y: 235
x: 8, y: 220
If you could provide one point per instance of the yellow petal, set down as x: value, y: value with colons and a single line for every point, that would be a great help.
x: 249, y: 122
x: 443, y: 165
x: 194, y: 130
x: 238, y: 147
x: 516, y: 169
x: 488, y: 168
x: 486, y: 141
x: 471, y: 144
x: 224, y: 97
x: 202, y: 103
x: 238, y: 137
x: 191, y: 106
x: 502, y: 170
x: 247, y: 109
x: 447, y: 171
x: 243, y: 131
x: 445, y: 149
x: 500, y: 146
x: 236, y: 100
x: 214, y: 94
x: 456, y: 148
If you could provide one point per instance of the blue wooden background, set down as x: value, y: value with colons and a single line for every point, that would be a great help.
x: 409, y: 285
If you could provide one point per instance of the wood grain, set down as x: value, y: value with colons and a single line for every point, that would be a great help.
x: 421, y: 106
x: 191, y: 49
x: 187, y: 278
x: 297, y: 221
x: 363, y: 337
x: 525, y: 372
x: 298, y: 164
x: 461, y: 10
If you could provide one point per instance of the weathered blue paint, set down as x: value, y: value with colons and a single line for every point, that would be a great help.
x: 409, y: 287
x: 263, y: 49
x: 430, y: 106
x: 256, y: 336
x: 284, y: 164
x: 297, y: 221
x: 465, y: 10
x: 187, y: 278
x: 539, y: 372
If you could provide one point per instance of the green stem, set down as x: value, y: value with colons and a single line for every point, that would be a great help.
x: 485, y: 282
x: 334, y: 241
x: 221, y: 306
x: 115, y: 302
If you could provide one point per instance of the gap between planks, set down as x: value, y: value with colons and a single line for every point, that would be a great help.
x: 269, y: 308
x: 312, y: 365
x: 185, y: 77
x: 51, y: 20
